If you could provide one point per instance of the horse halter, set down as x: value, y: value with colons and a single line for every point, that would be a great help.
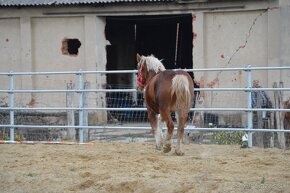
x: 140, y: 81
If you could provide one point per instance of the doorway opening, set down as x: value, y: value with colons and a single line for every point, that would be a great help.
x: 167, y: 37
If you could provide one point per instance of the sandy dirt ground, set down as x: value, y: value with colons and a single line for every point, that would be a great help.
x: 137, y: 167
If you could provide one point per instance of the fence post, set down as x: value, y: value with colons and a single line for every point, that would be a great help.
x: 279, y: 116
x: 85, y: 113
x: 71, y: 132
x: 81, y: 105
x: 249, y: 106
x: 11, y: 104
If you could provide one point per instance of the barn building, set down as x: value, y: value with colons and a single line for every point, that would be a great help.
x: 69, y: 35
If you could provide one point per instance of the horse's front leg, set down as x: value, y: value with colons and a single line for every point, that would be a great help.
x: 155, y: 126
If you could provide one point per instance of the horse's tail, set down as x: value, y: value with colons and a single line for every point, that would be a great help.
x: 180, y: 88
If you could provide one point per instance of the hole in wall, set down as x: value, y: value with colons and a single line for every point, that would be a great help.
x: 70, y: 46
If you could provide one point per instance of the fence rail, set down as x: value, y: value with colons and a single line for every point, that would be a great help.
x: 248, y: 89
x: 134, y: 90
x: 248, y: 68
x: 138, y: 109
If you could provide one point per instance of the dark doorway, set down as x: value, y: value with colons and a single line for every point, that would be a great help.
x: 168, y: 37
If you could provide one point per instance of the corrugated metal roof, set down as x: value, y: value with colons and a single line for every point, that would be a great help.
x: 12, y: 3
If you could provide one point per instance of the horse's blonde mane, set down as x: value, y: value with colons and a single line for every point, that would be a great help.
x: 153, y: 63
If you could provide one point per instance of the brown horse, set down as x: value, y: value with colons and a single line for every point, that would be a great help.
x: 166, y: 91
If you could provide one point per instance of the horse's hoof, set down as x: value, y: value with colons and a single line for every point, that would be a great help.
x: 179, y: 153
x: 167, y: 148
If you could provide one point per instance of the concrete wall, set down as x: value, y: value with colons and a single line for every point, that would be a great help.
x: 46, y: 37
x: 31, y: 42
x: 233, y: 50
x: 236, y: 38
x: 285, y: 40
x: 10, y: 49
x: 10, y: 43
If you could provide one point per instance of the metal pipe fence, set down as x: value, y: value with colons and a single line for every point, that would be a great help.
x: 81, y: 107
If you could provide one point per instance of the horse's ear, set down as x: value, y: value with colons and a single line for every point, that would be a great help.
x: 138, y: 57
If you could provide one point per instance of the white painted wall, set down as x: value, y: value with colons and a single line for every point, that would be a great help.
x: 285, y: 42
x: 10, y: 50
x: 232, y: 40
x: 47, y: 34
x: 31, y: 43
x: 10, y: 44
x: 101, y: 61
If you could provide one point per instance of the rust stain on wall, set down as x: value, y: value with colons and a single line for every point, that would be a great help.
x: 201, y: 84
x: 32, y: 102
x: 193, y: 18
x: 213, y: 83
x: 194, y: 35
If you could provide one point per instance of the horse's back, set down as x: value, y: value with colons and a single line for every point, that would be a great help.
x: 165, y: 80
x: 159, y: 92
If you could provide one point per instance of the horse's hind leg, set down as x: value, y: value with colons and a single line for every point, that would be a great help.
x: 170, y: 127
x: 155, y: 125
x: 180, y: 132
x: 159, y: 134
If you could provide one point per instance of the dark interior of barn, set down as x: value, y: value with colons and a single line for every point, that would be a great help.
x: 167, y: 37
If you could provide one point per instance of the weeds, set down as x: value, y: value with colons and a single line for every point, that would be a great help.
x: 227, y: 138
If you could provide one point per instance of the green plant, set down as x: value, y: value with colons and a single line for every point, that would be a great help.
x: 263, y: 180
x: 29, y: 175
x: 226, y: 137
x: 66, y: 139
x: 17, y: 137
x: 6, y: 137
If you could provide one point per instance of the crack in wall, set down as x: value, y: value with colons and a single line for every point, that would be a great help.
x: 248, y: 35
